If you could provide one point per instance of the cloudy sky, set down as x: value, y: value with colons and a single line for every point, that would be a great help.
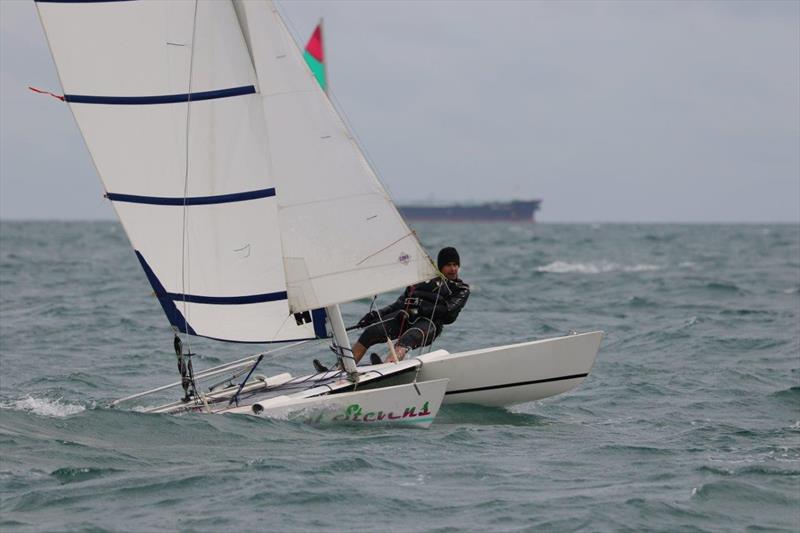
x: 608, y: 111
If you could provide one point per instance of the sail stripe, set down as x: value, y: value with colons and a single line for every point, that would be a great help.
x: 78, y: 1
x: 318, y: 318
x: 192, y: 200
x: 173, y: 315
x: 160, y: 99
x: 176, y: 318
x: 226, y: 300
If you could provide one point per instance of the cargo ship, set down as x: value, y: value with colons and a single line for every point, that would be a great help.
x: 513, y: 211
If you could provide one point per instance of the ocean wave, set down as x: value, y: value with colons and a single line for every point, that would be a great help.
x: 70, y: 474
x: 43, y: 406
x: 638, y: 301
x: 792, y: 394
x: 730, y: 490
x: 745, y: 312
x: 757, y: 469
x: 563, y: 267
x: 722, y: 286
x: 659, y: 238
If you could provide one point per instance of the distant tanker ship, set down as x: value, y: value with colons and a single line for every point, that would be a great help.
x: 514, y: 211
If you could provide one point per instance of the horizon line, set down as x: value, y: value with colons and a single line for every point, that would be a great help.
x: 676, y: 222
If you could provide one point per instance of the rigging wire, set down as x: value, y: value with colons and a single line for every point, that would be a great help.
x: 433, y: 314
x: 380, y: 319
x: 184, y: 241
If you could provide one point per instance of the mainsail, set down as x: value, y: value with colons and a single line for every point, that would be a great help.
x: 209, y: 244
x: 246, y: 200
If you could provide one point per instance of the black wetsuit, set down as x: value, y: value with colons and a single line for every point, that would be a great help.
x: 416, y: 318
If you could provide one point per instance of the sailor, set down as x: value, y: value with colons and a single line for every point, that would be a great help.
x: 417, y: 317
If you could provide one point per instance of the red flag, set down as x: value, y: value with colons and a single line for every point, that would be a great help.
x: 314, y: 46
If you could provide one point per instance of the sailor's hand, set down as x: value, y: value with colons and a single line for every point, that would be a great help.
x: 369, y: 318
x: 426, y: 296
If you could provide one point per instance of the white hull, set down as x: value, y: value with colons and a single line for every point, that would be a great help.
x: 411, y: 404
x: 507, y: 375
x: 513, y: 374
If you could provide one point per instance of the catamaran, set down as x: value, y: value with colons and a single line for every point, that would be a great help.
x: 254, y: 213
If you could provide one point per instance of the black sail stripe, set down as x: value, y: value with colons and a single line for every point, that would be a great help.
x: 79, y: 1
x: 159, y: 99
x: 225, y: 300
x: 192, y: 200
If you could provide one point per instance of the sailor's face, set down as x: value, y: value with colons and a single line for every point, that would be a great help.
x: 450, y: 270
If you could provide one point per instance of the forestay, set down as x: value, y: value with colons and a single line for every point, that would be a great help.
x: 342, y: 237
x: 207, y: 235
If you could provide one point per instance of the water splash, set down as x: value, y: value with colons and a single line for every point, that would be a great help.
x: 563, y: 267
x: 43, y: 406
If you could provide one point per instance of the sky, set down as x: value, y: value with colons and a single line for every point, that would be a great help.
x: 607, y: 111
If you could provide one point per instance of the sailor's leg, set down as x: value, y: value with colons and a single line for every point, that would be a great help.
x: 375, y: 334
x: 400, y: 352
x: 421, y: 333
x: 358, y: 351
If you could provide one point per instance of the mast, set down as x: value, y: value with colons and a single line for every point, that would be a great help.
x: 340, y: 336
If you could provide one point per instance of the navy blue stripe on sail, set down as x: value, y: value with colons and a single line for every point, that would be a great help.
x: 176, y: 318
x: 160, y: 99
x: 228, y: 300
x: 167, y: 299
x: 173, y: 315
x: 78, y: 1
x: 318, y: 318
x: 192, y: 200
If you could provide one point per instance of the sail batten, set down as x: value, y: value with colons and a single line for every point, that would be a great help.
x: 160, y: 99
x: 225, y: 300
x: 193, y: 200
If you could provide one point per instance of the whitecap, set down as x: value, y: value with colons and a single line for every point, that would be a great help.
x: 563, y: 267
x: 43, y: 406
x: 640, y: 268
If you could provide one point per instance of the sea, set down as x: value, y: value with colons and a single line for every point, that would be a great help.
x: 689, y: 420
